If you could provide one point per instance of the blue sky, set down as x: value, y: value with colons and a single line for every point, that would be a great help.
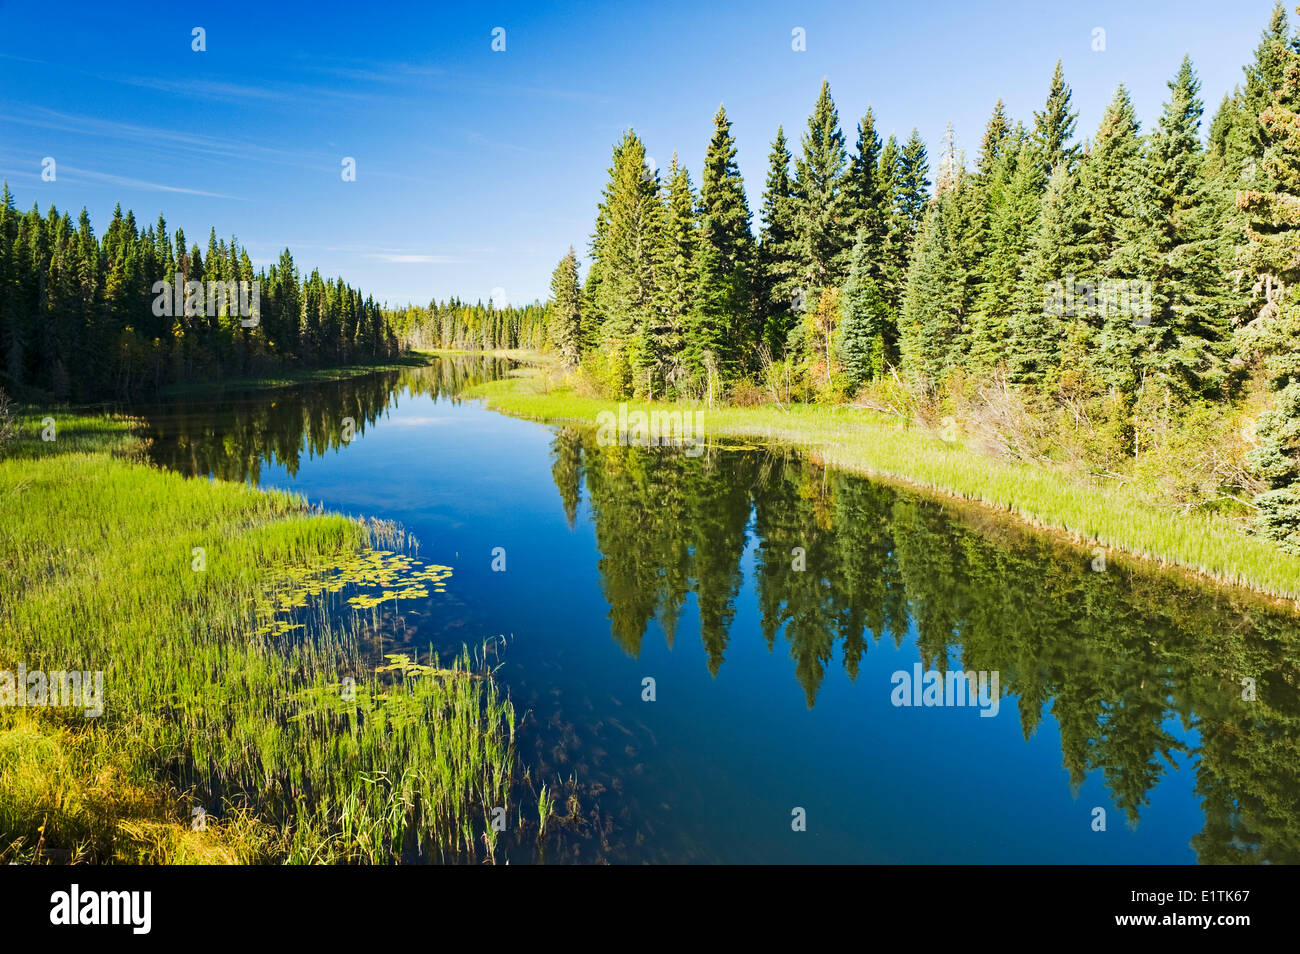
x: 476, y: 169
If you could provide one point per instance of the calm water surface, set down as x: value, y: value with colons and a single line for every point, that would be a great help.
x: 1118, y: 690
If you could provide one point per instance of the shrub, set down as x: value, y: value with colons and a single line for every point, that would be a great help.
x: 8, y: 425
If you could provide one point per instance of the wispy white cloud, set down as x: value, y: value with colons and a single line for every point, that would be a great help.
x: 292, y: 93
x: 128, y: 183
x: 224, y: 147
x: 372, y: 73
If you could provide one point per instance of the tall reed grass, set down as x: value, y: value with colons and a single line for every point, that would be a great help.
x: 162, y: 583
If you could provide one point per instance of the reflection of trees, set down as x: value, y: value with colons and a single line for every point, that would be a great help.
x: 231, y: 439
x: 1115, y: 655
x: 667, y: 527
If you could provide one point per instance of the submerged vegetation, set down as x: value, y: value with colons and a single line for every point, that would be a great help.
x: 241, y: 720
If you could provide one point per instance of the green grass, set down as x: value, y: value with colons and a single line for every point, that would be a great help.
x: 1207, y: 544
x: 204, y: 703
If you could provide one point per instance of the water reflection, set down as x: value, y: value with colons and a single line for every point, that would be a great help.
x: 230, y: 437
x: 1141, y: 671
x: 1136, y: 667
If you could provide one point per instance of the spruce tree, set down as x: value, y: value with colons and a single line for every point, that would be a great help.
x: 866, y: 326
x: 1109, y: 182
x: 722, y: 199
x: 677, y: 270
x: 994, y: 142
x: 777, y: 263
x: 822, y: 211
x: 868, y: 201
x: 564, y: 314
x: 893, y: 265
x: 1014, y: 192
x: 1272, y: 256
x: 907, y: 172
x: 1175, y: 246
x: 1051, y: 331
x: 1054, y: 127
x: 706, y: 347
x: 627, y: 248
x: 942, y: 281
x: 724, y: 222
x: 1264, y: 79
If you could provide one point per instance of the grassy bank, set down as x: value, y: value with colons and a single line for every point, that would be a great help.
x: 222, y: 738
x: 1110, y: 517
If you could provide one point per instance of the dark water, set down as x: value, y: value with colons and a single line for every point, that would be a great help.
x: 774, y: 686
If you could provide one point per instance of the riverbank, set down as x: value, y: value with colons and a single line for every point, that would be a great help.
x: 1112, y: 519
x: 211, y: 737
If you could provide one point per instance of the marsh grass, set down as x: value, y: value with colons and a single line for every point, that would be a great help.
x: 1208, y: 544
x: 208, y: 703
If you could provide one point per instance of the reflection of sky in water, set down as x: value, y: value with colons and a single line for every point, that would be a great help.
x: 713, y: 768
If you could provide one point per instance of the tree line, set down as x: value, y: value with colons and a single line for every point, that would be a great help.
x: 121, y: 315
x: 455, y: 325
x: 1130, y: 280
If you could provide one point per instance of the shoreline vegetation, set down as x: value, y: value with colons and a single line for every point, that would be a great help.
x: 1098, y: 333
x: 125, y: 788
x: 225, y: 736
x: 1093, y: 513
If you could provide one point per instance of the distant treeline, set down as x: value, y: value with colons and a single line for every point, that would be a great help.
x: 85, y: 318
x: 456, y: 325
x: 1109, y: 291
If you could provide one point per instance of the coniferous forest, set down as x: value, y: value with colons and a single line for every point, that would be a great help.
x: 1106, y: 297
x: 920, y: 496
x: 78, y: 315
x: 79, y: 320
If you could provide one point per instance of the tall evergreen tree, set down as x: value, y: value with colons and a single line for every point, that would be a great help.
x: 1047, y: 336
x: 627, y: 247
x: 909, y: 197
x: 1110, y: 178
x: 1175, y: 246
x: 1272, y: 257
x: 564, y: 318
x: 867, y: 197
x: 724, y: 223
x: 777, y: 261
x: 1014, y: 198
x: 677, y: 278
x: 724, y: 210
x: 942, y: 283
x: 866, y: 327
x: 822, y: 211
x: 1054, y: 127
x: 1264, y: 78
x: 994, y: 142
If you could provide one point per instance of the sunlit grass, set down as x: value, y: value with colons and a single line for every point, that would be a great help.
x: 178, y: 590
x: 880, y: 446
